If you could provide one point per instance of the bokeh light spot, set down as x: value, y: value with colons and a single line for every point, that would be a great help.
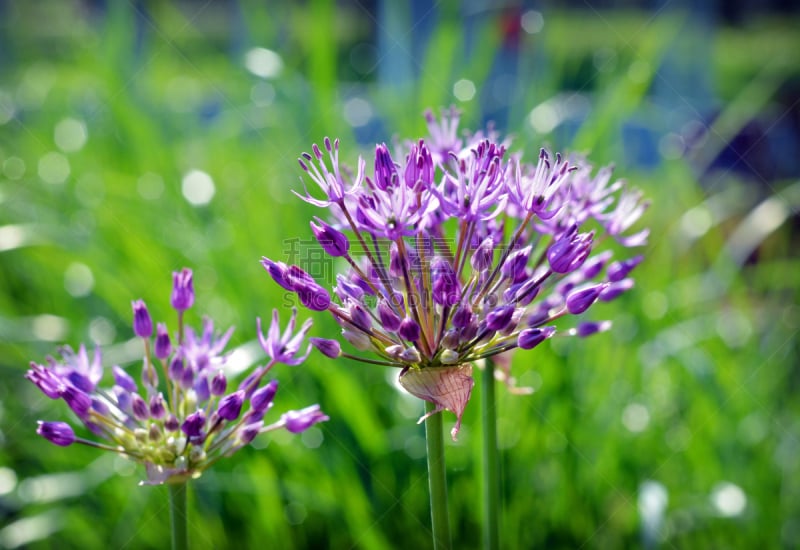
x: 464, y: 90
x: 78, y: 279
x: 53, y: 168
x: 263, y: 62
x: 198, y: 188
x: 71, y: 135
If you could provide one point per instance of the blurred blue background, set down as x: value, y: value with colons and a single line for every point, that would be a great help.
x: 137, y: 137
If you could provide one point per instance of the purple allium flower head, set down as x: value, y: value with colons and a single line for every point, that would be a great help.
x: 182, y: 289
x: 149, y: 428
x: 163, y: 346
x: 329, y: 348
x: 284, y: 348
x: 59, y: 433
x: 299, y: 421
x: 461, y: 250
x: 142, y: 324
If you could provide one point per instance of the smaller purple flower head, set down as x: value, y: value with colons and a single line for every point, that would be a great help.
x: 163, y: 346
x: 389, y: 319
x: 588, y: 328
x: 142, y: 324
x: 619, y: 270
x: 59, y: 433
x: 231, y: 405
x: 332, y: 241
x: 182, y: 289
x: 329, y: 348
x: 299, y: 421
x: 284, y: 348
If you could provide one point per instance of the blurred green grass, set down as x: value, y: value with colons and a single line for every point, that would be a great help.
x: 692, y: 389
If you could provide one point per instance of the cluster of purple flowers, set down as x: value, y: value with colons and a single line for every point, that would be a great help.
x: 464, y: 251
x: 181, y: 418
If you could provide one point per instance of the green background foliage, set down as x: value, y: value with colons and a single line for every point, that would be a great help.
x: 690, y: 397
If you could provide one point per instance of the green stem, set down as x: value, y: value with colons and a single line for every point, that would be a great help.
x: 177, y: 514
x: 491, y: 479
x: 437, y: 480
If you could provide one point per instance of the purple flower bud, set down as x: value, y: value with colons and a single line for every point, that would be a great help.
x: 297, y: 278
x: 182, y: 289
x: 123, y: 379
x: 446, y: 290
x: 592, y: 327
x: 482, y: 258
x: 142, y: 324
x: 396, y: 261
x: 389, y: 319
x: 175, y: 370
x: 360, y: 317
x: 345, y: 289
x: 615, y: 289
x: 219, y: 384
x: 187, y: 378
x: 262, y: 397
x: 409, y: 330
x: 532, y: 337
x: 79, y: 402
x: 171, y: 423
x: 329, y: 348
x: 619, y: 270
x: 332, y: 241
x: 158, y: 408
x: 59, y: 433
x: 231, y: 405
x: 194, y: 424
x: 139, y: 407
x: 249, y: 432
x: 579, y: 300
x: 299, y: 421
x: 385, y: 171
x: 462, y: 317
x: 201, y: 388
x: 570, y: 251
x: 99, y: 406
x: 595, y: 265
x: 163, y: 346
x: 278, y: 271
x: 499, y: 318
x: 314, y: 297
x: 123, y: 398
x: 514, y: 266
